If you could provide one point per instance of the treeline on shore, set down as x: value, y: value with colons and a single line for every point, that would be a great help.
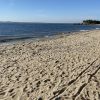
x: 91, y: 22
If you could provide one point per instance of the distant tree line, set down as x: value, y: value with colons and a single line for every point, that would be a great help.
x: 91, y: 22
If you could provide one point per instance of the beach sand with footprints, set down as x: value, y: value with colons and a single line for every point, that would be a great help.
x: 63, y: 68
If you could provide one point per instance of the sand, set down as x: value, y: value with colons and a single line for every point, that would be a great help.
x: 64, y: 68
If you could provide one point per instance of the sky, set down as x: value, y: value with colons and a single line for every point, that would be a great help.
x: 51, y: 11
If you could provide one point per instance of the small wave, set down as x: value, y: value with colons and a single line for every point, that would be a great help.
x: 46, y: 36
x: 97, y: 28
x: 84, y: 30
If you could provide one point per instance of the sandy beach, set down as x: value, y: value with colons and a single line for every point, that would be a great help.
x: 64, y: 68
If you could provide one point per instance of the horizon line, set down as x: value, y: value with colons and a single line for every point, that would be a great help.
x: 36, y: 22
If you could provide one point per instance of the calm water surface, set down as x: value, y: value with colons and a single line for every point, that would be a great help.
x: 11, y: 31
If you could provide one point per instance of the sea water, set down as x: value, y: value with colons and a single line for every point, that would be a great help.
x: 13, y: 31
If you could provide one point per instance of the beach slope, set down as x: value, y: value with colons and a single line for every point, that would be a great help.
x: 64, y: 68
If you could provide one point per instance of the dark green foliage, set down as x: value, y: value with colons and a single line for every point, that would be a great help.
x: 91, y: 22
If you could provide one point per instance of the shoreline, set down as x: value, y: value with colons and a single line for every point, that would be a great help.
x: 58, y: 35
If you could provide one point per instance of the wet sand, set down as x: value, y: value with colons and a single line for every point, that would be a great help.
x: 64, y: 68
